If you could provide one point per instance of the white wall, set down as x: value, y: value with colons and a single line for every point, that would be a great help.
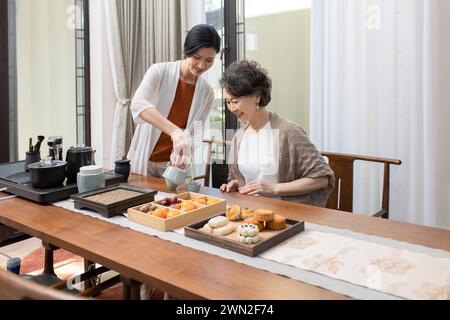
x: 102, y: 89
x: 45, y: 73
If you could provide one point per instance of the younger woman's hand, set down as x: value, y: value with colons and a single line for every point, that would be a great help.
x: 232, y: 186
x: 182, y: 148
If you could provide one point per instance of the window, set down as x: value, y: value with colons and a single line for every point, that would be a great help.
x: 277, y: 35
x: 48, y: 82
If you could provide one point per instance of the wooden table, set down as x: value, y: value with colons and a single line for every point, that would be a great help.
x: 186, y: 273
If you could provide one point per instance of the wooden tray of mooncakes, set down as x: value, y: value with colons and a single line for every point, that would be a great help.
x: 268, y: 238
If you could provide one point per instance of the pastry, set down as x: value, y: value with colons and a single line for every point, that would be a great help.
x: 161, y: 213
x: 278, y: 223
x: 210, y: 201
x: 264, y: 215
x: 187, y: 206
x: 201, y: 201
x: 173, y: 213
x: 207, y: 229
x: 252, y: 220
x: 247, y: 213
x: 233, y: 213
x: 248, y: 230
x: 249, y: 240
x: 145, y: 208
x: 224, y: 230
x: 218, y: 222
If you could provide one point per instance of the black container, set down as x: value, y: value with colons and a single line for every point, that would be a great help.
x: 31, y: 157
x: 55, y: 148
x: 76, y: 158
x: 123, y: 167
x: 48, y: 175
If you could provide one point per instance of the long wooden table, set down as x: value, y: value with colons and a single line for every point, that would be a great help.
x: 186, y: 273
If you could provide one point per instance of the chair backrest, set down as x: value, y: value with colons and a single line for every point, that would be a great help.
x: 13, y: 287
x: 207, y: 174
x: 342, y: 196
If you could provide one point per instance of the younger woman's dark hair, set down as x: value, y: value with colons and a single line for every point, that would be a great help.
x: 201, y: 36
x: 247, y: 78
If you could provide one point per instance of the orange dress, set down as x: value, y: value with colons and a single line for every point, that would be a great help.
x: 178, y: 115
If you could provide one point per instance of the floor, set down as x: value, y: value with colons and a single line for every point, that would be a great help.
x: 19, y: 250
x: 31, y: 253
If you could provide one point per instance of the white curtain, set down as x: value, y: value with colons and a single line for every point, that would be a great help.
x: 378, y: 76
x: 140, y: 33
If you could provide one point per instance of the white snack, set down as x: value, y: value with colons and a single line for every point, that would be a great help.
x: 207, y: 229
x: 248, y: 230
x: 224, y: 230
x: 249, y: 240
x: 218, y: 222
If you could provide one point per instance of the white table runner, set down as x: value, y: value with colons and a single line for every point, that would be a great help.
x: 346, y: 262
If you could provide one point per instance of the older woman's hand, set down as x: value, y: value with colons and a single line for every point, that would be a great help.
x: 232, y: 186
x: 258, y: 188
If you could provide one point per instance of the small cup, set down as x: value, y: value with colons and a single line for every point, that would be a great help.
x: 193, y: 186
x: 31, y: 157
x: 171, y: 185
x: 123, y: 167
x: 175, y: 175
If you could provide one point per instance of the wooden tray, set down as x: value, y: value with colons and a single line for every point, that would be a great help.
x: 183, y: 219
x: 268, y: 240
x: 114, y: 200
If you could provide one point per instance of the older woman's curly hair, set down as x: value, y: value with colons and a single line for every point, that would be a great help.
x: 246, y: 78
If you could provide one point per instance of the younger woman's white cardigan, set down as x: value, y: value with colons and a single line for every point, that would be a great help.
x: 158, y: 90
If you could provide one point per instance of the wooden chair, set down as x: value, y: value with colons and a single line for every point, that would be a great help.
x: 342, y: 196
x: 207, y: 174
x: 13, y: 287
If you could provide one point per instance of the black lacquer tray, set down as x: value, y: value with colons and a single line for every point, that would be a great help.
x: 17, y: 181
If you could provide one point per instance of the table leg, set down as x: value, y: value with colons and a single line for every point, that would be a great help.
x: 48, y: 262
x: 131, y: 289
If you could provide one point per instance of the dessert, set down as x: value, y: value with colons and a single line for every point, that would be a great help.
x: 173, y: 213
x: 218, y: 222
x: 210, y: 201
x: 248, y: 230
x: 207, y: 229
x: 167, y: 202
x: 249, y: 240
x: 247, y: 213
x: 201, y: 201
x: 233, y: 213
x: 264, y: 215
x: 145, y: 208
x: 224, y: 230
x: 176, y: 206
x: 187, y: 206
x: 253, y: 220
x: 161, y: 213
x: 278, y: 223
x: 248, y: 233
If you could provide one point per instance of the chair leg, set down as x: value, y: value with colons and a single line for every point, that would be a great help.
x: 88, y: 283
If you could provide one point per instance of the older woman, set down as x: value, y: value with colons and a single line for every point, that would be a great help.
x: 270, y: 156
